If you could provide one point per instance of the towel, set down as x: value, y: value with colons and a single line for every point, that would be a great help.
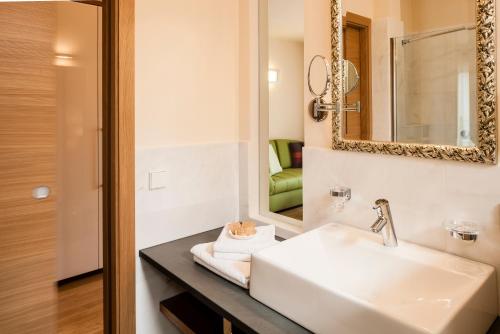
x: 237, y: 272
x: 229, y: 248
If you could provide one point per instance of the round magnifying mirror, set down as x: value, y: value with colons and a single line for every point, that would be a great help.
x: 351, y: 77
x: 318, y: 77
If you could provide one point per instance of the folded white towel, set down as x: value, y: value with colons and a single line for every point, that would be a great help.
x: 229, y: 248
x: 237, y: 272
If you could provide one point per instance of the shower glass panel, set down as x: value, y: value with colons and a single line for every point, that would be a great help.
x: 434, y: 87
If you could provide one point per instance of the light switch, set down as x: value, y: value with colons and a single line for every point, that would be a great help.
x: 157, y: 180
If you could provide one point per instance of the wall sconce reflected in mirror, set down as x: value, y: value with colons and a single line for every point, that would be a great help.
x: 63, y: 60
x: 273, y: 75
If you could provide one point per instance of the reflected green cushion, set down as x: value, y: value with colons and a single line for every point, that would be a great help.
x: 288, y: 180
x: 282, y: 148
x: 284, y: 153
x: 283, y: 201
x: 285, y: 188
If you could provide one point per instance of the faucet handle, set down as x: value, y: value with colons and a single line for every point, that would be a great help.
x: 380, y: 203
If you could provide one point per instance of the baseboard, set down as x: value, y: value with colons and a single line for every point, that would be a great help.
x: 78, y: 277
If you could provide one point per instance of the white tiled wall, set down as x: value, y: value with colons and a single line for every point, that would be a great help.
x: 382, y: 31
x: 201, y: 193
x: 243, y: 181
x: 423, y: 193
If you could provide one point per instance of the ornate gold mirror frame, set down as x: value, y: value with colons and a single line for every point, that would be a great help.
x: 485, y: 152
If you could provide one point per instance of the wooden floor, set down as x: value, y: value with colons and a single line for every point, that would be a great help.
x: 80, y: 306
x: 295, y: 213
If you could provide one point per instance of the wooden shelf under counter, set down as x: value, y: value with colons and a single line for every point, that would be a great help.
x: 191, y: 316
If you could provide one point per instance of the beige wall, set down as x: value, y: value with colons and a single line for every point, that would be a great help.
x: 316, y: 42
x: 372, y: 8
x: 187, y: 98
x: 425, y: 15
x: 245, y: 73
x: 388, y: 8
x: 361, y: 7
x: 286, y: 97
x: 187, y: 60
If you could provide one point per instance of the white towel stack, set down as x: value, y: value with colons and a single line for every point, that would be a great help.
x: 237, y: 272
x: 230, y: 258
x: 228, y: 248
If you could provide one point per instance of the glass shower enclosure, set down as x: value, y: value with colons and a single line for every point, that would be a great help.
x: 434, y: 87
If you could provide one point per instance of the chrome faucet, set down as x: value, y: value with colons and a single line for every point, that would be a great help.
x: 384, y: 224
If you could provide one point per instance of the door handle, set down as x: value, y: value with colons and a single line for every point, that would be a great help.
x: 41, y: 192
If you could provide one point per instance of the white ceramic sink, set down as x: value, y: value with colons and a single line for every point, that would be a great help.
x: 338, y: 279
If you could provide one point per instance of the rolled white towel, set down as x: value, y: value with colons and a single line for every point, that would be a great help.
x: 237, y: 272
x: 229, y: 248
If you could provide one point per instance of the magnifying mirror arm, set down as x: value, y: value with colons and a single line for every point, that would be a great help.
x: 320, y: 106
x: 319, y: 109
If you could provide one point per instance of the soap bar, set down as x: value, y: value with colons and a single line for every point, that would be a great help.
x: 243, y: 228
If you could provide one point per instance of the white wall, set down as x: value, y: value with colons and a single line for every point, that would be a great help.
x: 383, y: 29
x: 286, y: 97
x: 187, y: 124
x: 78, y: 114
x: 201, y: 194
x: 423, y: 193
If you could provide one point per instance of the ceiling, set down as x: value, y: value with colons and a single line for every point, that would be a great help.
x: 286, y: 19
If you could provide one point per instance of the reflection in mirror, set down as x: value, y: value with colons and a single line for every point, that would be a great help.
x: 351, y: 77
x: 285, y: 54
x: 318, y: 78
x: 417, y: 71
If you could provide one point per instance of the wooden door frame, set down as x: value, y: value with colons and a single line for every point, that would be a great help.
x: 364, y: 25
x: 118, y: 166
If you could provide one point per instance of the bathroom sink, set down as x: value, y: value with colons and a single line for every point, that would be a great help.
x: 338, y: 279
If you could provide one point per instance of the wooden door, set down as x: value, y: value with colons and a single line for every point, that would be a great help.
x: 27, y: 160
x: 357, y: 34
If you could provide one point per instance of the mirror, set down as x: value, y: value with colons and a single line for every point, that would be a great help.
x: 282, y: 107
x: 351, y: 77
x: 318, y: 77
x: 415, y: 78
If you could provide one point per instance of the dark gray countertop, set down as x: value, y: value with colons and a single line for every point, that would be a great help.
x: 232, y: 302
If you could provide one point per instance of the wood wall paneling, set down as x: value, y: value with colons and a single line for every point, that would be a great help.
x: 27, y: 160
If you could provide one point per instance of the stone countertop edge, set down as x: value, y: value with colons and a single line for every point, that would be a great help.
x: 174, y: 260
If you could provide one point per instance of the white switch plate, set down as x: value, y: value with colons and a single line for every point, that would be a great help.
x: 157, y: 180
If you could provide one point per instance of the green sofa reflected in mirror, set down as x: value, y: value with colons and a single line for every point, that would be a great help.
x: 285, y: 188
